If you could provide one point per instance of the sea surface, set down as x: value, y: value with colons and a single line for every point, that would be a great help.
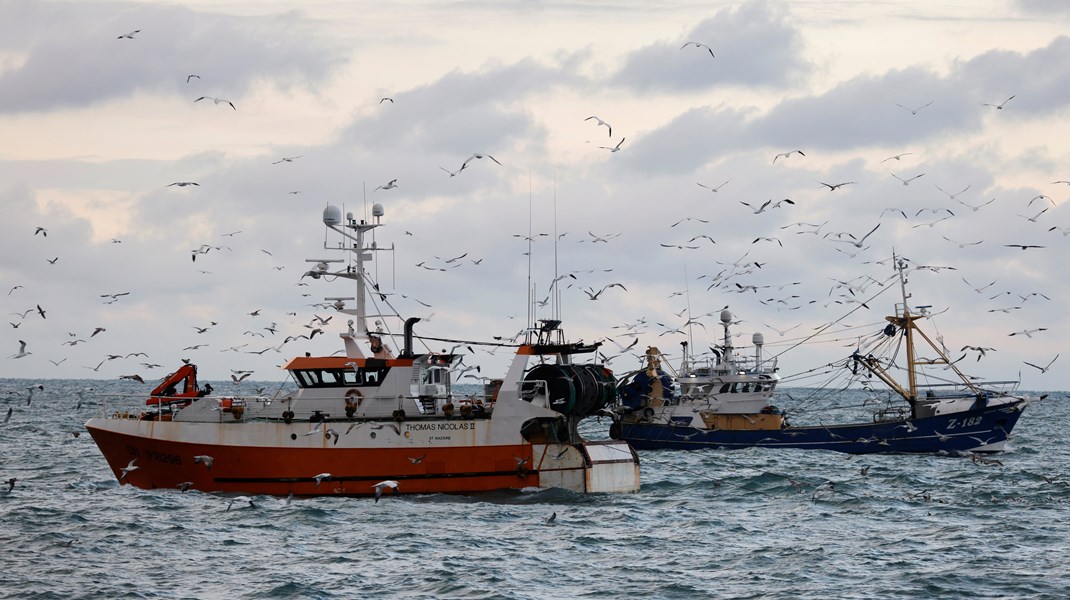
x: 756, y: 523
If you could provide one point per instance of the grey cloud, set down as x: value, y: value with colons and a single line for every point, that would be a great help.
x: 78, y: 60
x: 754, y: 44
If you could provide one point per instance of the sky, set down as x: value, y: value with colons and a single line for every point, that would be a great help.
x: 946, y: 123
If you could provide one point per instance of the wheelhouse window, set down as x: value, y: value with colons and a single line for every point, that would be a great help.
x: 327, y: 378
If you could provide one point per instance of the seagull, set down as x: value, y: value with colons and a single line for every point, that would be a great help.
x: 386, y: 99
x: 135, y: 377
x: 452, y: 173
x: 22, y: 351
x: 42, y: 231
x: 858, y: 244
x: 714, y: 189
x: 980, y: 289
x: 393, y: 183
x: 129, y: 467
x: 593, y: 295
x: 896, y: 157
x: 977, y: 207
x: 907, y: 181
x: 185, y: 486
x: 98, y: 329
x: 1041, y: 197
x: 389, y: 483
x: 188, y: 77
x: 950, y: 195
x: 552, y: 517
x: 476, y: 156
x: 217, y: 101
x: 286, y: 159
x: 11, y: 484
x: 203, y: 459
x: 914, y: 111
x: 614, y: 148
x: 1022, y: 246
x: 183, y: 183
x: 601, y: 122
x: 962, y: 244
x: 1043, y: 369
x: 130, y: 35
x: 787, y: 155
x: 241, y: 499
x: 1034, y: 218
x: 1029, y: 333
x: 832, y: 187
x: 416, y: 459
x: 1000, y: 105
x: 319, y: 478
x: 698, y: 45
x: 7, y: 417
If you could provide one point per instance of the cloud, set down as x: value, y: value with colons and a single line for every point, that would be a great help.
x: 77, y: 60
x: 754, y: 44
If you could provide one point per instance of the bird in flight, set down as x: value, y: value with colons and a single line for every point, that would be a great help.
x: 1000, y: 105
x: 393, y: 183
x: 286, y: 159
x: 787, y: 154
x: 217, y: 101
x: 1045, y: 368
x: 476, y: 156
x: 42, y: 231
x: 908, y: 180
x: 914, y: 111
x: 129, y: 467
x: 1028, y: 332
x: 767, y: 204
x: 1022, y: 246
x: 386, y: 99
x: 950, y: 195
x: 203, y: 459
x: 858, y: 243
x: 1034, y: 218
x: 977, y: 207
x: 698, y: 45
x: 22, y: 351
x: 188, y: 77
x: 453, y: 173
x: 601, y: 122
x: 379, y: 487
x: 130, y: 35
x: 897, y: 157
x: 183, y: 183
x: 614, y: 148
x: 593, y: 295
x: 833, y: 186
x: 714, y: 189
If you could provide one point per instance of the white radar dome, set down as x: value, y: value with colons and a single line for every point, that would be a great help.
x: 726, y: 317
x: 757, y: 339
x: 332, y: 215
x: 377, y: 210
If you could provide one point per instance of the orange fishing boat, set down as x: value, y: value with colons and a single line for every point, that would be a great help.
x: 371, y: 416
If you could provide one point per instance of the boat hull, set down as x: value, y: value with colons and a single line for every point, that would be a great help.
x: 978, y: 430
x: 163, y: 460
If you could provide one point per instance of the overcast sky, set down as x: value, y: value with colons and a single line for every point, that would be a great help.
x: 971, y: 97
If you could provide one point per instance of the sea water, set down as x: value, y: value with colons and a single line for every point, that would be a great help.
x: 757, y: 523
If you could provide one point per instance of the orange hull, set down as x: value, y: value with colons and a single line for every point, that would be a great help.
x: 282, y: 471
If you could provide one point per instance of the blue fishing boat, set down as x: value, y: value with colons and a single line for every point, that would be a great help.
x: 725, y: 399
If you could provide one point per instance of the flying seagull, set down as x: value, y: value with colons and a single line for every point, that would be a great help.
x: 833, y: 186
x: 393, y: 183
x: 787, y: 154
x: 1043, y: 369
x: 476, y: 156
x: 22, y: 351
x: 614, y: 148
x: 908, y: 180
x: 393, y: 485
x: 897, y: 157
x: 698, y: 45
x: 130, y: 35
x: 1000, y: 105
x: 129, y: 467
x: 188, y: 77
x: 858, y: 243
x: 183, y: 183
x: 601, y: 122
x: 714, y: 189
x: 217, y: 101
x: 286, y: 159
x: 914, y: 111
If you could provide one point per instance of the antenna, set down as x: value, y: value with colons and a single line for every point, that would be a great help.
x: 531, y: 298
x: 557, y: 290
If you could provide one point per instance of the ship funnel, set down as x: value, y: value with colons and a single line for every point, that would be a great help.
x: 409, y: 323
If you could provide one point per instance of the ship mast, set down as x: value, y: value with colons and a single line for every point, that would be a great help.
x: 354, y: 231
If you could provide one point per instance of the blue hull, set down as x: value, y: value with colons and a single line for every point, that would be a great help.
x: 958, y: 432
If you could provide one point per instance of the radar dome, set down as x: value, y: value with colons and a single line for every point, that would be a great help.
x: 757, y: 339
x: 726, y: 316
x: 377, y: 210
x: 332, y: 215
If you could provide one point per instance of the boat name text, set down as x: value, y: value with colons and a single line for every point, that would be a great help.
x: 439, y: 426
x: 967, y: 422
